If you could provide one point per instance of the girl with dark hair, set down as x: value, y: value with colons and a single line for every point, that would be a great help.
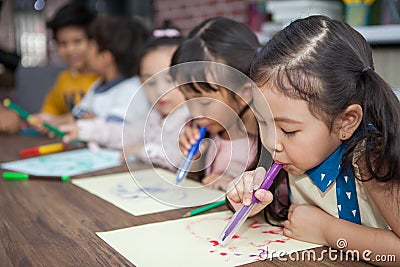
x: 168, y: 113
x: 230, y: 123
x: 336, y: 124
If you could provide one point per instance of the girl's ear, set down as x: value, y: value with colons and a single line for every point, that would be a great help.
x: 349, y: 121
x: 246, y: 93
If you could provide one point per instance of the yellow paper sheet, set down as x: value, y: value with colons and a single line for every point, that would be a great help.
x: 148, y: 191
x: 193, y: 242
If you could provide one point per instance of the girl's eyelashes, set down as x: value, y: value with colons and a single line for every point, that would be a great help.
x: 288, y: 133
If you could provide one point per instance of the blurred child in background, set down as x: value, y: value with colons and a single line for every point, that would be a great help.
x: 70, y: 30
x: 10, y: 122
x: 168, y: 115
x: 113, y: 54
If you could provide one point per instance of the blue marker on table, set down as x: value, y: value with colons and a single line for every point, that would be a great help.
x: 185, y: 167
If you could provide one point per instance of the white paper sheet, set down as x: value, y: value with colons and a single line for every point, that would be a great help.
x: 148, y: 191
x: 67, y: 163
x: 193, y: 242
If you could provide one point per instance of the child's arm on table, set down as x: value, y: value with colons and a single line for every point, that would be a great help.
x: 311, y: 224
x: 98, y: 130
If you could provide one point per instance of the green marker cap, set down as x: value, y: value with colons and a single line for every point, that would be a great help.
x: 65, y: 178
x: 15, y: 176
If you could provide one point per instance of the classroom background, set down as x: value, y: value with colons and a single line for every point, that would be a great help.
x: 23, y: 31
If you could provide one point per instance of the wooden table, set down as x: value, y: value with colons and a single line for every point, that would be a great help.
x: 44, y: 223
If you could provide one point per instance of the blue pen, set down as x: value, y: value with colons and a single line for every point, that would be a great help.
x: 185, y: 167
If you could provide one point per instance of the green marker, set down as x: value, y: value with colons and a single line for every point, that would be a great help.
x: 204, y: 208
x: 25, y: 176
x: 26, y: 116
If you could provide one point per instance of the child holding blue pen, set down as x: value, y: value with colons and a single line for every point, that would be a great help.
x: 229, y: 121
x: 337, y: 125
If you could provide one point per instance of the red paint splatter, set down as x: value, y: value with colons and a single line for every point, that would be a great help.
x: 271, y: 232
x: 212, y: 251
x: 214, y: 242
x: 223, y: 253
x: 235, y: 236
x: 254, y: 225
x: 280, y: 241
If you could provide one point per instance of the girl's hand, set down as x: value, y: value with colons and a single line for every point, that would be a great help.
x: 71, y: 130
x: 307, y: 223
x: 39, y: 119
x: 241, y: 189
x: 88, y: 116
x: 187, y: 138
x: 217, y: 181
x: 36, y: 121
x: 9, y: 121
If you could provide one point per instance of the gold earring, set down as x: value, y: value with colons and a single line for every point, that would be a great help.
x: 343, y: 135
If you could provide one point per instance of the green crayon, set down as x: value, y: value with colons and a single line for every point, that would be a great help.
x: 28, y: 117
x: 204, y: 208
x: 25, y: 176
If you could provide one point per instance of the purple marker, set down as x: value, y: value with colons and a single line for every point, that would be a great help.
x: 243, y: 212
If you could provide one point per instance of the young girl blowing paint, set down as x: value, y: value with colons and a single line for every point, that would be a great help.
x: 336, y: 125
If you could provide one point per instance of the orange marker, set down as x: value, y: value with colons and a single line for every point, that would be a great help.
x: 41, y: 150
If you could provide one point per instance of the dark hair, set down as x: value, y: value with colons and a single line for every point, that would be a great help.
x: 165, y: 36
x: 124, y: 38
x: 329, y: 64
x: 71, y: 14
x: 221, y: 40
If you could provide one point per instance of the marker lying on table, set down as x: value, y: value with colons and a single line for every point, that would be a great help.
x: 42, y: 150
x: 25, y: 176
x: 243, y: 212
x: 204, y: 208
x: 28, y: 117
x: 185, y: 167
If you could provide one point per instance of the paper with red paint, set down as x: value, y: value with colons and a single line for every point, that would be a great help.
x: 193, y: 242
x: 148, y: 191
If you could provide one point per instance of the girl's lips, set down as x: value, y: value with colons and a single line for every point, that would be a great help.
x: 162, y: 102
x: 284, y: 165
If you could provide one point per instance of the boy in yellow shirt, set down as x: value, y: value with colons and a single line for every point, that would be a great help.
x: 70, y: 30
